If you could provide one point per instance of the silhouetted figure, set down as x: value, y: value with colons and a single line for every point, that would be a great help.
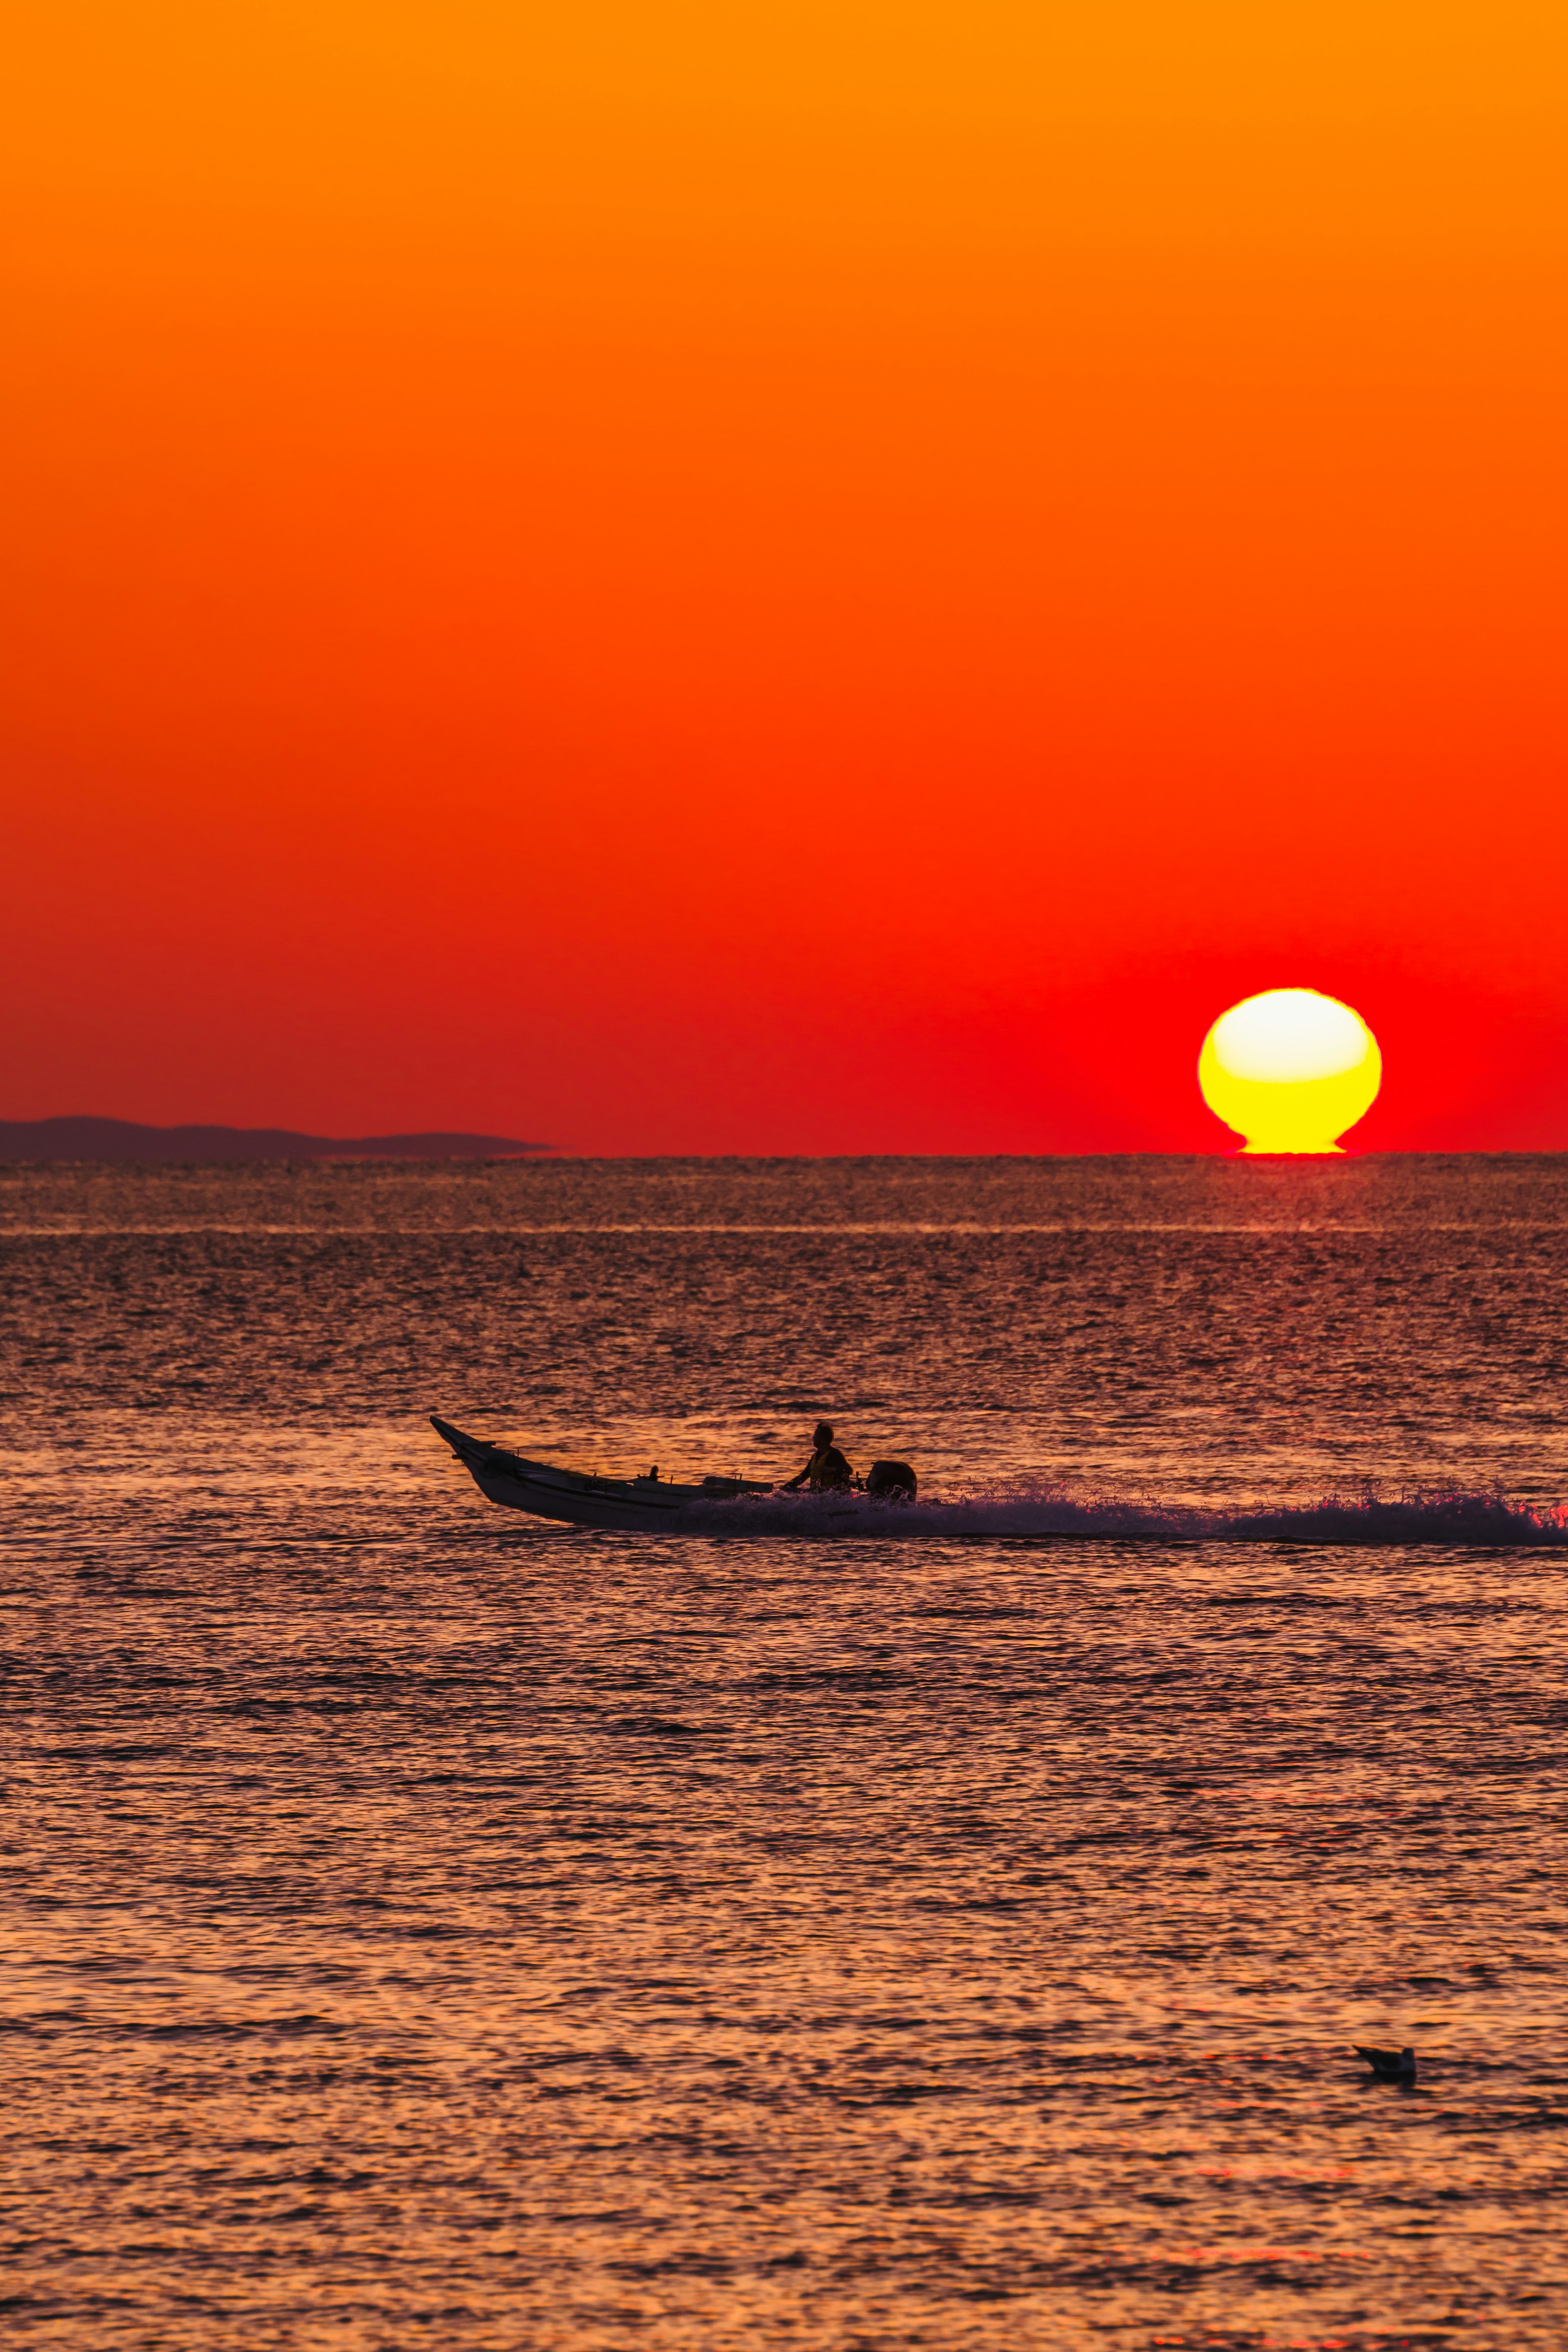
x: 827, y: 1471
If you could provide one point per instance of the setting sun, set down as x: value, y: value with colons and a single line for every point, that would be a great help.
x: 1290, y: 1070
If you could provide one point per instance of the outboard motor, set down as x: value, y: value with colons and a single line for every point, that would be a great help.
x: 895, y: 1482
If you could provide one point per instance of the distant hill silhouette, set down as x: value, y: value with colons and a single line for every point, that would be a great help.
x: 120, y: 1138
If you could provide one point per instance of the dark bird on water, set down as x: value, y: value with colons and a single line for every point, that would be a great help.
x: 1390, y: 2065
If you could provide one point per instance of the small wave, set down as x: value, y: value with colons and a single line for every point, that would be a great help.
x: 1447, y: 1517
x: 1443, y: 1516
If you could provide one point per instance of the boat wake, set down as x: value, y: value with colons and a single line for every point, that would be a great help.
x: 1448, y: 1517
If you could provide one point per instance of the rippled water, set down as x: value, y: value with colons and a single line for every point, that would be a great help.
x: 429, y: 1927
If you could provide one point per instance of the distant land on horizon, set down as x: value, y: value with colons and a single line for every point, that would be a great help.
x: 121, y: 1139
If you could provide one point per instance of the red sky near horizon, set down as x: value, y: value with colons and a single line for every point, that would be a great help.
x: 681, y: 578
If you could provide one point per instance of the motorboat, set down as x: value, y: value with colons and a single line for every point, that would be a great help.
x: 656, y: 1505
x: 888, y: 1506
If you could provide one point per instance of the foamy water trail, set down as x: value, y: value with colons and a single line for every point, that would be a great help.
x: 1433, y: 1517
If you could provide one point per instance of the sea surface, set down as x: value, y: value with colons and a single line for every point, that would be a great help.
x: 429, y: 1927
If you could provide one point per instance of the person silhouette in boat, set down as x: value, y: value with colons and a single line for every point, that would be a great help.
x: 828, y: 1471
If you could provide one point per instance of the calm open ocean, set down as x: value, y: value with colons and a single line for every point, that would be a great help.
x: 431, y: 1927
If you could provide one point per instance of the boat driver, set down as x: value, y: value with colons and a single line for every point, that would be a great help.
x: 827, y: 1470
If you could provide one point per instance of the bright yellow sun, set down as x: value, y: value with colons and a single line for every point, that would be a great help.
x: 1290, y: 1070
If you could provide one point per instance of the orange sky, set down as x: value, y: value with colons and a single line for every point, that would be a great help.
x: 682, y: 577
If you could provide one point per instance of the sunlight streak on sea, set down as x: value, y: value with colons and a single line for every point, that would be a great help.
x: 433, y: 1925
